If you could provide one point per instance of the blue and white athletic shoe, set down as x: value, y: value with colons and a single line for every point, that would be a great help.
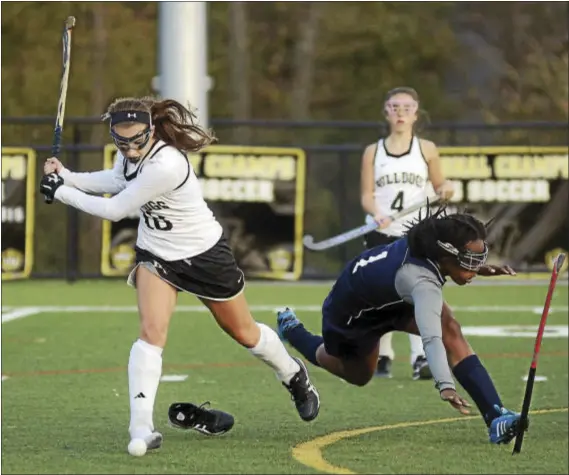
x: 286, y: 320
x: 504, y: 427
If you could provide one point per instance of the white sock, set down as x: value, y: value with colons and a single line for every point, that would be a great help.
x: 144, y: 371
x: 416, y: 347
x: 385, y: 346
x: 271, y: 350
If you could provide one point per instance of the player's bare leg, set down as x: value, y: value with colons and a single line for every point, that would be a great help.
x: 234, y: 317
x: 156, y: 303
x: 456, y: 345
x: 357, y: 371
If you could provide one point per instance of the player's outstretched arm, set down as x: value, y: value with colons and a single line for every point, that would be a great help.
x: 99, y: 182
x: 418, y: 286
x: 490, y: 270
x: 455, y: 400
x: 154, y: 180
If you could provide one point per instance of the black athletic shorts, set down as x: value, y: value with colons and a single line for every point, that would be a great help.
x: 213, y: 274
x: 355, y: 338
x: 375, y: 238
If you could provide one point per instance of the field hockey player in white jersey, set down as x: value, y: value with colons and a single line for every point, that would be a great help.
x: 180, y: 247
x: 395, y: 175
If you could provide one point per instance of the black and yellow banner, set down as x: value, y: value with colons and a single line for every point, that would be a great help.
x: 18, y: 192
x: 504, y: 174
x: 256, y: 193
x: 524, y: 190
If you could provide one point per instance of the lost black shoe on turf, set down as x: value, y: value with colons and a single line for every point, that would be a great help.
x: 185, y: 415
x: 304, y: 395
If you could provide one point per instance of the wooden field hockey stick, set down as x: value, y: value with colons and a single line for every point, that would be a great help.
x: 56, y: 147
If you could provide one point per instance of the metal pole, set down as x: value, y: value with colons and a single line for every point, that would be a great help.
x: 182, y: 55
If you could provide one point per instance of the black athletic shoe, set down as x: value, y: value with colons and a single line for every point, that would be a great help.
x: 185, y: 415
x: 304, y: 395
x: 383, y: 367
x: 421, y: 369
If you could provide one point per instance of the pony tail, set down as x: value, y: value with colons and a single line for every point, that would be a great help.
x: 175, y: 125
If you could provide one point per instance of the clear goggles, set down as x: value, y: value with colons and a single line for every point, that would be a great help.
x: 404, y: 107
x: 136, y: 142
x: 467, y: 259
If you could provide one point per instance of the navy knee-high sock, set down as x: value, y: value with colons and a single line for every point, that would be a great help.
x: 305, y: 342
x: 474, y: 378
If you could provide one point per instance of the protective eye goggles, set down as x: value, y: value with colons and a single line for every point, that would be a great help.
x: 467, y: 259
x: 407, y: 107
x: 136, y: 142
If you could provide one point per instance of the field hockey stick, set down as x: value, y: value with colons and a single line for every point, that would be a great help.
x: 355, y: 233
x: 523, y: 424
x: 56, y: 147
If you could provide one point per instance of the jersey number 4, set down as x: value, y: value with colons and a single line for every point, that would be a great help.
x: 397, y: 204
x: 159, y: 223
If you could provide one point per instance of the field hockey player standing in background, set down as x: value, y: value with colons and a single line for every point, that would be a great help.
x: 395, y: 174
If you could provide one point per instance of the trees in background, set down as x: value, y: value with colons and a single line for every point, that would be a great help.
x: 302, y: 60
x: 526, y: 46
x: 470, y: 61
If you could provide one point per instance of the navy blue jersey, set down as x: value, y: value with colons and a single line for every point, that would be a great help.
x: 367, y: 283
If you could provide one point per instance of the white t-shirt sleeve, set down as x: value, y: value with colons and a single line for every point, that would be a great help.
x: 104, y: 181
x: 157, y: 176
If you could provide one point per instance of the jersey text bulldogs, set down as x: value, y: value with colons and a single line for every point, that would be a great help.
x: 403, y: 178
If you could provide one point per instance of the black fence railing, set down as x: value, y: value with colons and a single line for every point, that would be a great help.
x: 91, y: 131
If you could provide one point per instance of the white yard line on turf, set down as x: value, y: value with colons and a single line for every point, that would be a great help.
x: 495, y: 282
x: 516, y: 331
x: 17, y: 313
x: 273, y: 307
x: 22, y: 312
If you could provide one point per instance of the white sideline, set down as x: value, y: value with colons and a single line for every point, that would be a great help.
x: 14, y: 313
x: 17, y: 313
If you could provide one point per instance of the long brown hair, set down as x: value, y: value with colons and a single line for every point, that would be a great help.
x: 422, y: 115
x: 173, y: 123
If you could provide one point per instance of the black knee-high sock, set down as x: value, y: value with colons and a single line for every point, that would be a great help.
x: 305, y: 342
x: 474, y: 378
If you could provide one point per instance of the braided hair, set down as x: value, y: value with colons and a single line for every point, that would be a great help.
x: 427, y: 234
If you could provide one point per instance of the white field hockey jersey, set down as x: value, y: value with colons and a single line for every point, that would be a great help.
x: 400, y: 181
x: 177, y: 224
x: 175, y: 221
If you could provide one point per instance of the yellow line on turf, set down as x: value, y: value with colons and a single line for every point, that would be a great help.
x: 310, y: 453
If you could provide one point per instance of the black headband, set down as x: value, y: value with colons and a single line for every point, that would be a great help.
x: 130, y: 116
